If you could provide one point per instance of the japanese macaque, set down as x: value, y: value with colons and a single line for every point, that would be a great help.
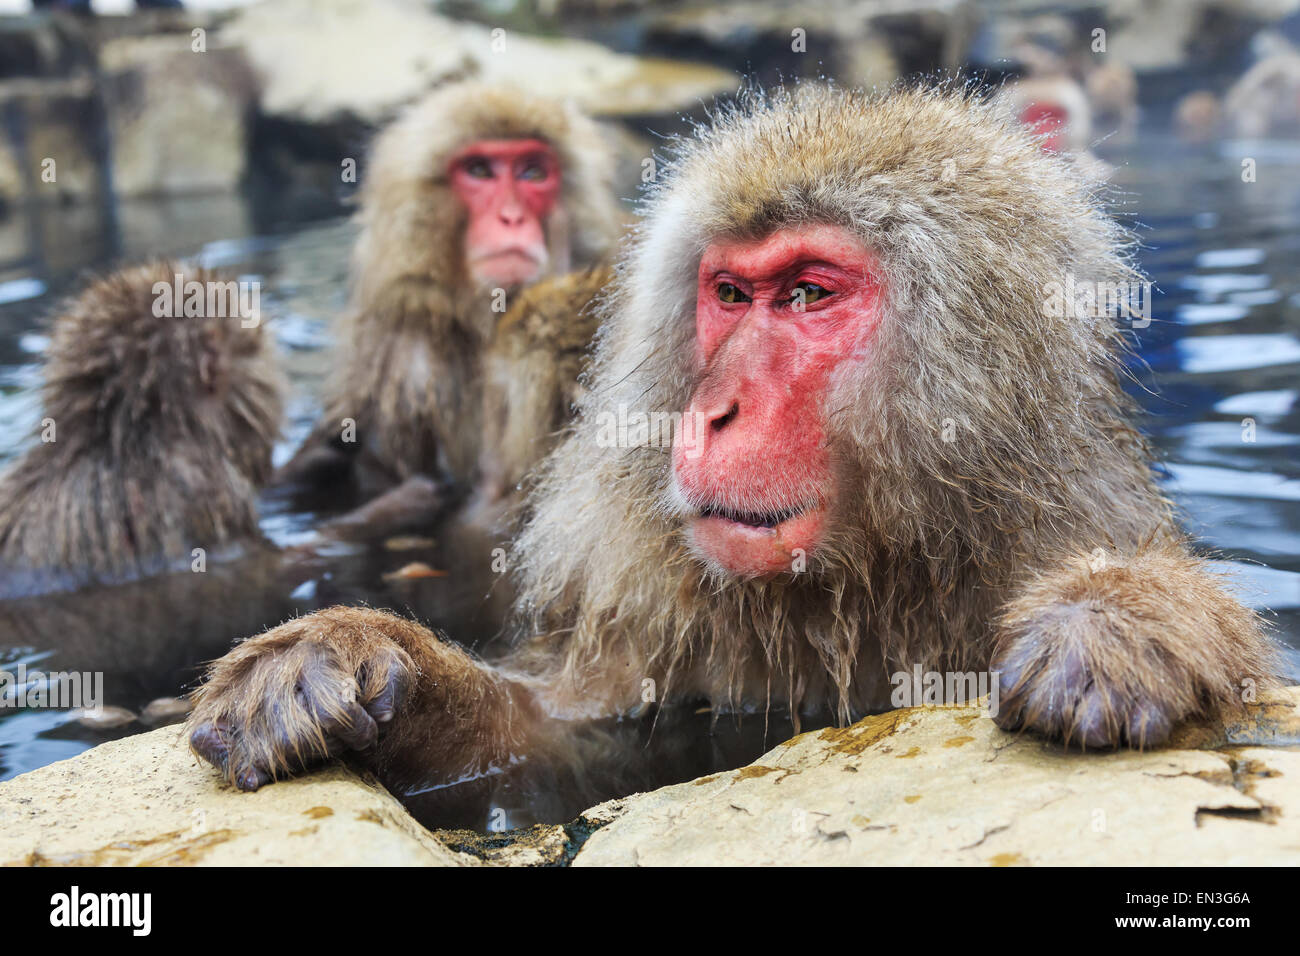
x: 896, y: 449
x: 474, y: 195
x: 1198, y: 117
x: 1054, y: 108
x: 1048, y: 101
x: 156, y: 432
x: 1266, y: 100
x: 1113, y: 101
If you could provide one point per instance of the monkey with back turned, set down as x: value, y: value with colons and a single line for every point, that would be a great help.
x: 156, y: 436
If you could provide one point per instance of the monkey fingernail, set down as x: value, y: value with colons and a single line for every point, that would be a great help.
x: 356, y: 729
x: 250, y: 778
x: 209, y: 742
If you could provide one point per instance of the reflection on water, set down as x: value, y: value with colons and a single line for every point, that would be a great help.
x: 1224, y: 353
x: 1219, y: 365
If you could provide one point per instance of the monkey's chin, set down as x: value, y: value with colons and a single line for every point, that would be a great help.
x: 758, y: 551
x: 511, y: 269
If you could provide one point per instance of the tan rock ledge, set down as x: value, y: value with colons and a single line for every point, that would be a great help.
x: 947, y: 787
x: 909, y: 787
x: 146, y: 800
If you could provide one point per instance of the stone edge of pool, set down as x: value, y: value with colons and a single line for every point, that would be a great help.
x: 915, y: 786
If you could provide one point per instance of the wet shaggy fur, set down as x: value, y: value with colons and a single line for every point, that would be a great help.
x: 163, y: 433
x: 533, y: 370
x: 327, y: 683
x: 942, y: 550
x: 994, y: 508
x: 414, y: 333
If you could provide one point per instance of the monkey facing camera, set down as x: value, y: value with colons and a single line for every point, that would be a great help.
x: 888, y: 453
x: 476, y: 196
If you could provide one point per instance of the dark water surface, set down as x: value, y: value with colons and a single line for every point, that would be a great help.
x: 1222, y: 359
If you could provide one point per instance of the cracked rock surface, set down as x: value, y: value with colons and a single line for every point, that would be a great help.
x: 945, y: 786
x: 916, y: 786
x: 146, y: 800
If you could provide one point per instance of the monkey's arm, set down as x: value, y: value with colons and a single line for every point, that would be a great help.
x: 415, y: 503
x: 1109, y: 648
x: 413, y: 707
x: 316, y: 463
x: 326, y: 465
x: 531, y: 373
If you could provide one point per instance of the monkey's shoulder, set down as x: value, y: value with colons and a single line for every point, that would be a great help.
x: 554, y: 313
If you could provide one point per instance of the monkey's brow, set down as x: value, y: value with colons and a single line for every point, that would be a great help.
x: 784, y: 272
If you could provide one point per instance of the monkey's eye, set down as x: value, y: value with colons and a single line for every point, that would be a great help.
x: 729, y: 293
x: 478, y: 168
x: 533, y: 172
x: 809, y: 292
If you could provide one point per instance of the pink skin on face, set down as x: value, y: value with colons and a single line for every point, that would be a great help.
x: 1048, y: 120
x: 509, y: 187
x: 756, y: 467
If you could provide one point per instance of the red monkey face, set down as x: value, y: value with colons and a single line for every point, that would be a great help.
x: 774, y: 320
x: 510, y: 188
x: 1049, y: 120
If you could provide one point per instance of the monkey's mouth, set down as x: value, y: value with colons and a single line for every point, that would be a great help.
x: 758, y: 543
x: 510, y: 265
x: 753, y: 519
x: 518, y: 253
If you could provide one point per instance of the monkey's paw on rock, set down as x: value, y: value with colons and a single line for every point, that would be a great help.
x: 916, y: 786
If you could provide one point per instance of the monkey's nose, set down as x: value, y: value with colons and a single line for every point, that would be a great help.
x: 720, y: 420
x: 511, y: 213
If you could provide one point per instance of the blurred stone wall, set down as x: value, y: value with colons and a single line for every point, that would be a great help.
x: 170, y: 103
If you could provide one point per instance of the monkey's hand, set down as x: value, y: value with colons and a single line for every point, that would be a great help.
x: 415, y: 503
x: 1112, y: 650
x: 301, y: 693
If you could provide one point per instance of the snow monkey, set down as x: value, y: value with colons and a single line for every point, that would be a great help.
x: 896, y: 449
x: 161, y: 404
x: 475, y: 194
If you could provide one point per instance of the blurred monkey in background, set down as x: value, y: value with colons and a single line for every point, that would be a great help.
x: 475, y: 195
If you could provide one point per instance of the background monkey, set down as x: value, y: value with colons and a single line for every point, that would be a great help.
x: 531, y: 376
x: 475, y: 194
x: 893, y: 453
x: 161, y: 433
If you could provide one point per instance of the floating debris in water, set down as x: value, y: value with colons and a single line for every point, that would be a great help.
x: 104, y: 718
x: 416, y: 569
x: 165, y: 710
x: 408, y: 542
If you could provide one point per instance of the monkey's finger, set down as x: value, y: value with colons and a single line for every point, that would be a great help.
x: 384, y: 686
x: 251, y: 778
x: 1011, y: 703
x: 385, y: 704
x: 1009, y: 717
x: 1148, y: 725
x: 1092, y: 722
x: 211, y: 741
x: 353, y: 727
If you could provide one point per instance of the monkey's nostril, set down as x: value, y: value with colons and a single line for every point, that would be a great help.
x: 722, y: 421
